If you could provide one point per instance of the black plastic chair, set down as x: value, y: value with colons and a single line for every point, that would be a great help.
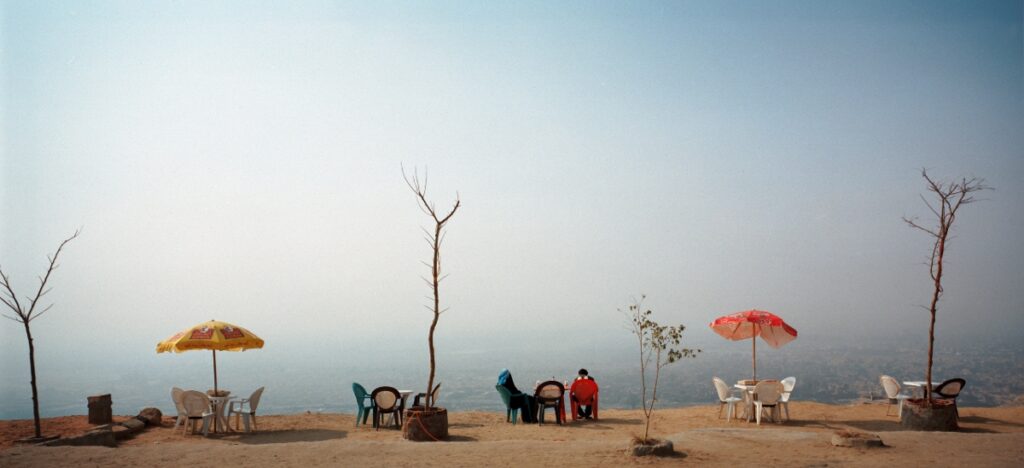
x: 387, y: 400
x: 951, y: 389
x: 423, y: 396
x: 550, y: 394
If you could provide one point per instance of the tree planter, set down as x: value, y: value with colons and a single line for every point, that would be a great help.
x: 919, y: 415
x: 657, y: 448
x: 424, y: 425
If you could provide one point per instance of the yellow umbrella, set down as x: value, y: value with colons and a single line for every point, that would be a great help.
x: 214, y: 336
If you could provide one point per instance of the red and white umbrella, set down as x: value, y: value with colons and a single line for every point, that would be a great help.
x: 751, y: 324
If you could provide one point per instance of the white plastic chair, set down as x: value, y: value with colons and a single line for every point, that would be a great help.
x: 787, y: 389
x: 176, y: 394
x: 892, y: 392
x: 246, y: 413
x: 197, y: 406
x: 725, y: 398
x: 766, y: 395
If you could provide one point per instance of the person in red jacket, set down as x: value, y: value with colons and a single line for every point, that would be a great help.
x: 584, y: 411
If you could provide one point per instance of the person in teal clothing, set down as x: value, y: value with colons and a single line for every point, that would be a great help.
x: 527, y: 404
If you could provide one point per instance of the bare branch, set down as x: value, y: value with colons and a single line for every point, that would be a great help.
x: 929, y: 205
x: 9, y: 305
x: 5, y: 281
x: 914, y: 225
x: 46, y: 277
x: 40, y: 313
x: 8, y: 317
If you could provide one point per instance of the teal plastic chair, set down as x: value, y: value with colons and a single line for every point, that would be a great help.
x: 364, y: 402
x: 511, y: 414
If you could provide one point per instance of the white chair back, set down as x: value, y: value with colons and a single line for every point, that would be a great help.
x: 722, y: 388
x: 176, y: 394
x: 549, y: 391
x: 952, y: 388
x: 768, y: 392
x: 385, y: 400
x: 195, y: 403
x: 890, y: 385
x: 787, y: 388
x: 254, y: 400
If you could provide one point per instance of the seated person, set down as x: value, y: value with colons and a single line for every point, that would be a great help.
x: 584, y: 411
x: 526, y: 404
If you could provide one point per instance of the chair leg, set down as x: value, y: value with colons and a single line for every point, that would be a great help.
x: 721, y: 405
x: 255, y: 427
x: 759, y: 409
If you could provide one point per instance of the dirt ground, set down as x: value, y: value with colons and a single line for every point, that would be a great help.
x: 989, y: 437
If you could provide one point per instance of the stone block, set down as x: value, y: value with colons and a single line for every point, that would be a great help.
x: 150, y: 416
x: 96, y: 438
x: 100, y: 409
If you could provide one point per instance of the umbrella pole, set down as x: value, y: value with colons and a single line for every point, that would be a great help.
x: 754, y: 341
x: 215, y: 372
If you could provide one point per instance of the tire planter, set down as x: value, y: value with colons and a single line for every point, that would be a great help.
x: 940, y: 415
x: 425, y: 425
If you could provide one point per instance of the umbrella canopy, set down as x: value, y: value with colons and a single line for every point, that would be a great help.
x: 214, y: 336
x: 751, y: 324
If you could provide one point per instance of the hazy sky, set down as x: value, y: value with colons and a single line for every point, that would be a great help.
x: 241, y: 161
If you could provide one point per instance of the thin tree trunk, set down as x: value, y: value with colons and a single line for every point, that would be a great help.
x: 643, y: 380
x: 933, y: 310
x: 654, y: 395
x: 437, y: 312
x: 32, y: 369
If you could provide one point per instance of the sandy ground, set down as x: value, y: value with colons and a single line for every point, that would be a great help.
x: 990, y: 437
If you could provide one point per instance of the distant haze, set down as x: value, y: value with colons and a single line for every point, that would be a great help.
x: 241, y: 161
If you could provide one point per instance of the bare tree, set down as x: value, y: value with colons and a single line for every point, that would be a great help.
x: 656, y: 347
x: 950, y: 196
x: 435, y: 238
x: 25, y: 316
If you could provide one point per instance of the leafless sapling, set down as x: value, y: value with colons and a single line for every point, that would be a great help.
x: 950, y: 197
x: 26, y: 313
x: 435, y: 238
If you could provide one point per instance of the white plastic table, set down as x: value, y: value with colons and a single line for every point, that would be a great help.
x: 219, y: 419
x: 405, y: 395
x: 748, y: 399
x: 920, y: 385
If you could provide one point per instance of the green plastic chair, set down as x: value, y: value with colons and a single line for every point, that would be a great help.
x: 511, y: 414
x: 362, y: 398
